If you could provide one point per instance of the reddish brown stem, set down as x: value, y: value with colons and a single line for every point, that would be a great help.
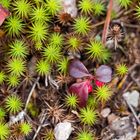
x: 107, y: 22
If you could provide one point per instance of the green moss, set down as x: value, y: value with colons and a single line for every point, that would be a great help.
x: 98, y: 8
x: 97, y: 51
x: 63, y: 66
x: 52, y: 54
x: 18, y: 49
x: 81, y: 25
x: 4, y: 131
x: 13, y: 104
x: 121, y: 69
x: 124, y: 3
x: 103, y: 93
x: 137, y: 11
x: 71, y: 100
x: 5, y: 3
x: 53, y: 6
x: 16, y: 66
x: 38, y: 31
x: 25, y: 128
x: 85, y: 135
x: 43, y: 67
x: 88, y: 116
x: 39, y: 14
x: 14, y: 26
x: 13, y: 80
x: 22, y: 8
x: 2, y: 113
x: 56, y: 39
x: 86, y: 6
x: 74, y: 43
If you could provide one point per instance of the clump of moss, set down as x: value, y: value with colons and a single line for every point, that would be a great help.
x: 88, y: 116
x: 39, y: 14
x: 63, y: 65
x: 121, y: 69
x: 74, y: 43
x: 71, y: 100
x: 18, y: 49
x: 13, y: 104
x: 14, y: 26
x: 96, y: 51
x: 53, y: 6
x: 98, y: 8
x: 86, y: 6
x: 13, y: 80
x: 85, y: 135
x: 16, y: 66
x: 43, y: 67
x: 82, y: 25
x: 103, y: 93
x: 22, y: 8
x: 4, y: 131
x: 38, y: 31
x: 5, y: 3
x: 52, y: 54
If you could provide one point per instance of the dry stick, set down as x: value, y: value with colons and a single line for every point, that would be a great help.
x: 107, y: 22
x: 40, y: 126
x: 30, y: 94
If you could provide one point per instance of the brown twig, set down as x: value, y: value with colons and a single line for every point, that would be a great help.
x: 107, y: 22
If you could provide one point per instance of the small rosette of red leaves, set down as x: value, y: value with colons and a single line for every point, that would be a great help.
x: 77, y: 70
x: 4, y: 13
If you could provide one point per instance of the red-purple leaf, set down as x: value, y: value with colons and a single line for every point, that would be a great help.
x: 81, y: 90
x: 78, y: 70
x: 104, y: 74
x: 3, y: 14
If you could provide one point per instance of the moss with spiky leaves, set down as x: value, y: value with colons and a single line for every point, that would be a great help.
x: 82, y: 25
x: 103, y: 93
x: 121, y: 69
x: 137, y: 11
x: 86, y: 6
x: 13, y: 80
x: 49, y: 135
x: 18, y: 49
x: 4, y: 131
x: 16, y: 66
x: 5, y: 3
x: 14, y: 26
x: 92, y: 102
x: 56, y: 39
x: 74, y: 43
x: 71, y: 101
x: 97, y: 51
x: 53, y: 6
x: 38, y: 45
x: 85, y: 135
x: 88, y: 116
x: 2, y: 113
x: 2, y: 77
x: 124, y: 3
x: 98, y: 8
x: 63, y: 66
x: 43, y: 67
x: 52, y: 54
x: 25, y: 128
x: 13, y: 104
x: 38, y: 32
x: 39, y: 14
x: 22, y: 8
